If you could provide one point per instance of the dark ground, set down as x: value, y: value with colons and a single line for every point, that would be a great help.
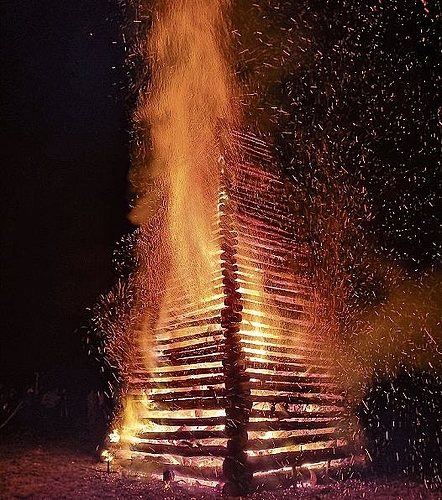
x: 63, y: 466
x: 49, y: 435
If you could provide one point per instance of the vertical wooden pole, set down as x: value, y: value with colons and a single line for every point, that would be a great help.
x: 237, y: 475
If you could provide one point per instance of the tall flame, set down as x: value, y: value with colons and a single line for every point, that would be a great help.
x: 185, y: 115
x: 190, y: 101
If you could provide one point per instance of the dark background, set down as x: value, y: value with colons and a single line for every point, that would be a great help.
x: 64, y: 145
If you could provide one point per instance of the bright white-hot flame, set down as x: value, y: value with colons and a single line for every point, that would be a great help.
x: 107, y: 456
x: 114, y: 436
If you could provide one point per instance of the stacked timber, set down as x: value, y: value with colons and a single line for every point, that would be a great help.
x: 296, y: 406
x: 242, y: 386
x: 179, y: 403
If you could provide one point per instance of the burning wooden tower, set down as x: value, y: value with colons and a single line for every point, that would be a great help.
x: 228, y: 380
x: 238, y: 385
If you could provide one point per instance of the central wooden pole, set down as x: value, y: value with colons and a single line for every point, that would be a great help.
x: 238, y: 403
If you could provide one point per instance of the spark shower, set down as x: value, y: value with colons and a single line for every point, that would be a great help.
x: 227, y: 331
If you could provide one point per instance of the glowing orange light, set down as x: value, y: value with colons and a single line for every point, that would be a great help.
x: 224, y: 355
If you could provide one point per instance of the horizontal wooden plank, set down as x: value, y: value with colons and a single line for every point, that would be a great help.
x: 293, y: 366
x: 303, y: 398
x: 181, y: 451
x: 196, y: 467
x: 291, y: 425
x: 200, y: 349
x: 265, y: 378
x: 197, y: 421
x: 183, y: 335
x: 283, y: 442
x: 207, y: 342
x: 183, y: 361
x: 173, y: 383
x: 305, y: 388
x: 191, y: 404
x: 192, y: 394
x: 268, y: 414
x: 184, y: 435
x: 287, y: 459
x: 188, y: 372
x: 301, y: 364
x: 177, y: 324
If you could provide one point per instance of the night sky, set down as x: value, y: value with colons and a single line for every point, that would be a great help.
x: 64, y: 167
x: 65, y: 147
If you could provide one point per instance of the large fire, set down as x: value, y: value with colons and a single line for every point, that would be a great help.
x: 229, y: 376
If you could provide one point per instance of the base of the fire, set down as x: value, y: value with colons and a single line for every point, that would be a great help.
x: 295, y: 471
x: 306, y: 454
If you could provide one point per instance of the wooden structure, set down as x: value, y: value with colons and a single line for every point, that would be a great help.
x: 242, y: 387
